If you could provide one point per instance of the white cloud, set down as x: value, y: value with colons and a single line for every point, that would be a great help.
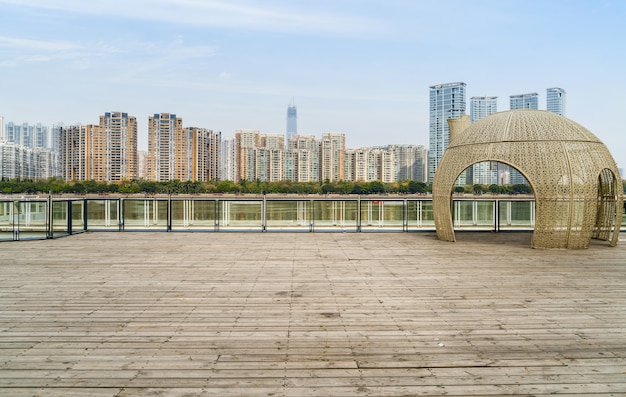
x: 40, y: 45
x: 248, y: 15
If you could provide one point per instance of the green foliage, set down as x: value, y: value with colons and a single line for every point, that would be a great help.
x: 59, y: 186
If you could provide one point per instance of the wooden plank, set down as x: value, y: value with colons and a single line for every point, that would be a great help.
x: 309, y: 315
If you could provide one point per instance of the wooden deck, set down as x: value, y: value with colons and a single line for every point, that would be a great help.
x: 310, y: 314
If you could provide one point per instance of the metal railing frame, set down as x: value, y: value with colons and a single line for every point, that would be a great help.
x: 219, y: 202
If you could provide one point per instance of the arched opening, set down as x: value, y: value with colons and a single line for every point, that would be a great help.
x: 608, y: 199
x: 492, y: 195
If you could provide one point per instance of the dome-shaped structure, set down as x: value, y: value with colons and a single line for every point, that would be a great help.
x: 578, y: 191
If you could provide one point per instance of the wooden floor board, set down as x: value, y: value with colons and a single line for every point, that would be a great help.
x: 310, y: 314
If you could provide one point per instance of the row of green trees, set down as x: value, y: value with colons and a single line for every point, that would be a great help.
x: 59, y: 186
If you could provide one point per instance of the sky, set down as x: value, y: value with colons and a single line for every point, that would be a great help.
x: 361, y: 67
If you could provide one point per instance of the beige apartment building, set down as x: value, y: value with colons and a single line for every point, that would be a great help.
x: 103, y: 152
x: 166, y: 149
x: 182, y: 153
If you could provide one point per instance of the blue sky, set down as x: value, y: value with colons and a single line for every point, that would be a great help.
x: 361, y: 67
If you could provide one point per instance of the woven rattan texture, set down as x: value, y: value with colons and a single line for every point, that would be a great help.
x: 577, y: 187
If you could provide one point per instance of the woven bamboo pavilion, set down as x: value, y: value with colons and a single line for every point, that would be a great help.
x: 577, y: 187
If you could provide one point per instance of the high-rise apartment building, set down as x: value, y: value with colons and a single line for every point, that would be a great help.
x: 273, y: 141
x: 447, y: 101
x: 482, y: 106
x: 117, y: 143
x: 13, y: 133
x: 245, y: 157
x: 202, y: 155
x: 524, y: 101
x: 55, y: 141
x: 302, y: 160
x: 227, y: 160
x: 370, y: 164
x: 22, y: 162
x: 269, y: 164
x: 356, y: 168
x: 555, y: 100
x: 292, y: 120
x: 410, y: 162
x: 142, y: 164
x: 103, y: 152
x: 82, y: 153
x: 168, y: 148
x: 332, y: 157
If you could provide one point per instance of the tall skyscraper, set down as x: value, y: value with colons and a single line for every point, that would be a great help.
x: 167, y: 148
x: 555, y: 100
x: 485, y: 172
x: 447, y: 101
x: 524, y: 101
x: 482, y: 106
x: 292, y: 121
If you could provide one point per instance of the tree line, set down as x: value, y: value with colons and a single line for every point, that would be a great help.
x: 140, y: 186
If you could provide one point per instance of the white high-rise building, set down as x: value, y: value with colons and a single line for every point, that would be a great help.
x: 22, y: 162
x: 447, y: 101
x: 486, y: 172
x: 555, y: 100
x: 524, y: 101
x: 410, y: 162
x: 482, y: 106
x: 227, y: 160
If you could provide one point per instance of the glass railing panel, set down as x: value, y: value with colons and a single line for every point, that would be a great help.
x: 102, y: 214
x: 78, y: 221
x: 6, y: 220
x: 59, y: 217
x: 473, y: 214
x: 516, y: 214
x: 336, y: 215
x: 32, y: 219
x: 193, y: 214
x: 288, y: 215
x: 420, y: 215
x: 145, y: 214
x: 382, y: 214
x: 483, y: 213
x: 241, y: 215
x: 463, y: 213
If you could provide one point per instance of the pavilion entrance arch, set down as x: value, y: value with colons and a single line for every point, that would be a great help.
x: 608, y: 206
x: 512, y: 205
x: 561, y: 161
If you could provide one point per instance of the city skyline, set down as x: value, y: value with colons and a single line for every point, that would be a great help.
x: 361, y: 70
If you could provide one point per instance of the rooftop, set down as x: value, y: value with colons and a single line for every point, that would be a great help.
x: 310, y: 314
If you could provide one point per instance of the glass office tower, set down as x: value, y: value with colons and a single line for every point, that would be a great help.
x: 292, y: 121
x: 446, y: 101
x: 555, y: 100
x: 525, y: 101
